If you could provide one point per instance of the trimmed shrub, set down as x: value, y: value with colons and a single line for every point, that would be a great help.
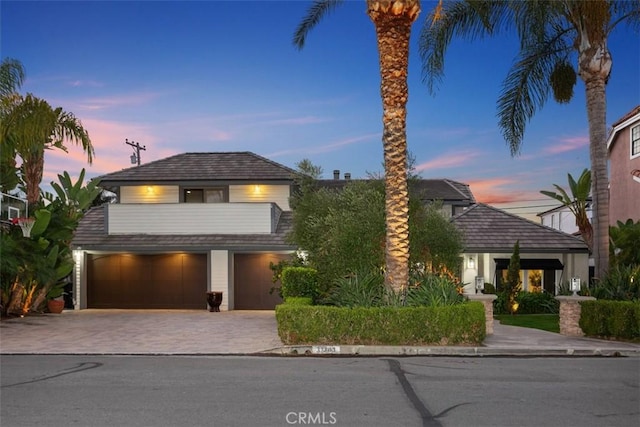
x: 489, y: 288
x: 612, y: 319
x: 299, y: 282
x: 462, y: 324
x: 298, y: 301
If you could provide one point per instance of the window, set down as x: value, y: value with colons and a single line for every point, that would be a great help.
x: 204, y: 195
x: 635, y: 141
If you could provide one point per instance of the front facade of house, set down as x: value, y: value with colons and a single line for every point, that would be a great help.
x: 623, y: 148
x: 548, y: 257
x: 184, y: 226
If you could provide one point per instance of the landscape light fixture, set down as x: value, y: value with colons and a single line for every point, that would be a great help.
x: 575, y: 285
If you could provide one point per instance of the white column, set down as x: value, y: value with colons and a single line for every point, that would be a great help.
x: 220, y: 278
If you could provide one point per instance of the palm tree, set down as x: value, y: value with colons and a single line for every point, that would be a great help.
x: 558, y: 39
x: 11, y: 77
x: 33, y: 126
x: 577, y: 203
x: 392, y: 21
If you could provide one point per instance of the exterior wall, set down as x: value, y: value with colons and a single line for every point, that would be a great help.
x: 278, y: 194
x: 219, y: 262
x: 575, y: 265
x: 149, y: 194
x: 79, y: 280
x: 190, y: 218
x: 562, y: 219
x: 624, y: 191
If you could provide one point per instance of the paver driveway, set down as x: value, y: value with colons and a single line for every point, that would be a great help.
x: 141, y: 332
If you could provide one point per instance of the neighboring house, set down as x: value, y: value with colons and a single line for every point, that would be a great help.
x: 623, y: 148
x: 548, y: 257
x: 562, y: 219
x: 181, y: 227
x: 455, y: 196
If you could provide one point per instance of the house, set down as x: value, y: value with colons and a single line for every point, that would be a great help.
x: 455, y: 196
x: 183, y: 226
x: 548, y: 257
x: 562, y: 219
x: 623, y: 150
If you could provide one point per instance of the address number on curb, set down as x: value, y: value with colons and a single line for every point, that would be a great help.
x: 325, y: 349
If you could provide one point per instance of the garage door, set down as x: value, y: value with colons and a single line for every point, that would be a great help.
x: 252, y: 281
x: 177, y: 281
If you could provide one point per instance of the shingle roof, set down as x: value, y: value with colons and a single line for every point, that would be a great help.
x: 488, y: 229
x: 430, y: 189
x: 221, y: 166
x: 91, y: 235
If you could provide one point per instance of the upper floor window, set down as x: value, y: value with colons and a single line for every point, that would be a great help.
x: 635, y: 141
x: 204, y: 195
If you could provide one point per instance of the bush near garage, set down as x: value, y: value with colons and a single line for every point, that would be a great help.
x: 462, y: 324
x: 299, y: 282
x: 611, y: 319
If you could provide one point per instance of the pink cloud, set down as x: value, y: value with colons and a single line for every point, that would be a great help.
x: 567, y: 144
x: 494, y: 190
x: 102, y: 103
x: 448, y: 160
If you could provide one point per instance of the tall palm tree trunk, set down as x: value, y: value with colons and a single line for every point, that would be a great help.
x: 596, y: 111
x: 393, y: 31
x: 32, y: 168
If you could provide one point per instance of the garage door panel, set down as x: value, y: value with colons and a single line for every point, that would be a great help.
x: 147, y: 281
x: 252, y: 281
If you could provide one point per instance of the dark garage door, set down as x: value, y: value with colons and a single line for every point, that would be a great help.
x: 177, y: 281
x: 252, y: 281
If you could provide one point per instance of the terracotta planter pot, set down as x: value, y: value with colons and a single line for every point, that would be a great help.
x: 55, y: 306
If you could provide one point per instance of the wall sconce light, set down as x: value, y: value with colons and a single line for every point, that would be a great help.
x: 149, y: 189
x: 471, y: 262
x: 257, y: 189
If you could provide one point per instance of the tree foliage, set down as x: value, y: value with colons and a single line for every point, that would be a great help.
x: 577, y: 202
x: 343, y: 230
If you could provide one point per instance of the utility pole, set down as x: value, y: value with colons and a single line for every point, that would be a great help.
x: 135, y: 157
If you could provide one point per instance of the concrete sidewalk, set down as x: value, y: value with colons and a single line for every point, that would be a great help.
x: 173, y: 332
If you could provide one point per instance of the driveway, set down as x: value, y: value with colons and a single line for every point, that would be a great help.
x: 140, y: 332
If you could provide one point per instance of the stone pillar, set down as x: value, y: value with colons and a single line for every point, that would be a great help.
x: 570, y: 310
x: 487, y: 301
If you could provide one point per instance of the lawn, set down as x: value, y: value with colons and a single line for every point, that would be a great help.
x: 546, y: 322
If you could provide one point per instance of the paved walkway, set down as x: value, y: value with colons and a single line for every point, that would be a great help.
x: 247, y: 332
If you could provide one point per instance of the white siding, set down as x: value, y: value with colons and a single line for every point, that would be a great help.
x: 150, y: 194
x: 190, y: 218
x: 220, y: 278
x: 278, y: 194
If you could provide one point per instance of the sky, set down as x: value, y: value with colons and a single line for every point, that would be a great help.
x: 212, y: 76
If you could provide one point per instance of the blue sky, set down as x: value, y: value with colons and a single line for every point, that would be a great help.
x: 201, y: 76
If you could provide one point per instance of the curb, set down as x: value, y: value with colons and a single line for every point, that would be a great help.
x: 365, y: 350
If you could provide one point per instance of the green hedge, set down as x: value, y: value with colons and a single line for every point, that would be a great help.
x: 614, y: 319
x: 462, y: 324
x: 299, y: 282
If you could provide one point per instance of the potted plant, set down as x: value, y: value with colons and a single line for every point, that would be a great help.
x: 55, y: 300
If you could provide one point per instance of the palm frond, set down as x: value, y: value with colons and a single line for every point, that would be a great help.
x: 11, y: 76
x: 465, y: 19
x: 526, y: 87
x: 315, y: 13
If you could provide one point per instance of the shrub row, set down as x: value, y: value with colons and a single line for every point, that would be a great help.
x: 614, y: 319
x: 462, y: 324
